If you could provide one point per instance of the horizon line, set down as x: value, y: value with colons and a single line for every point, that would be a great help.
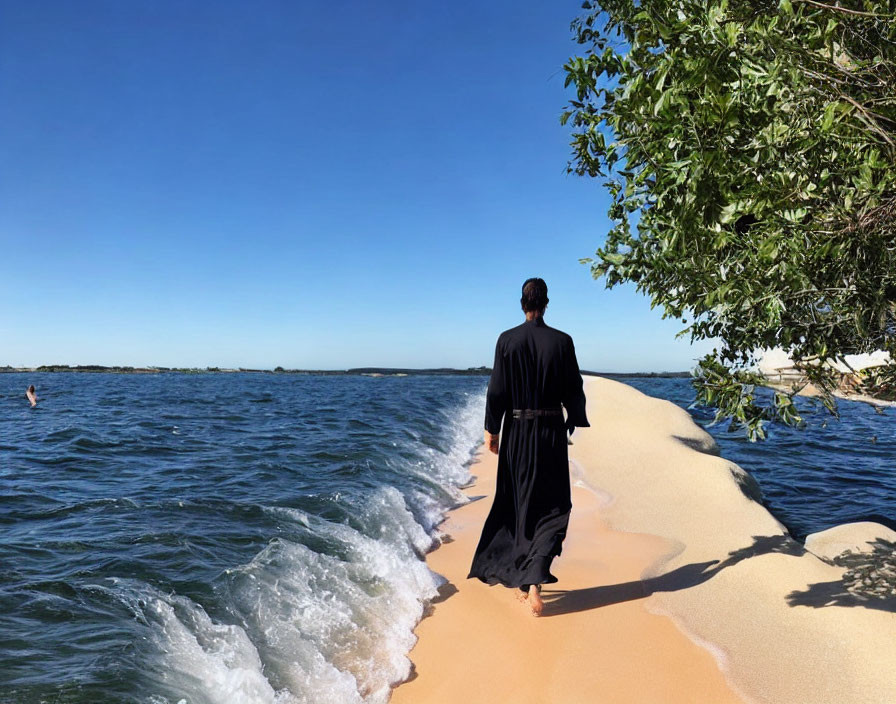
x: 480, y: 370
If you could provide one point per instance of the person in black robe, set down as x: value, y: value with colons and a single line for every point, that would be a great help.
x: 535, y: 373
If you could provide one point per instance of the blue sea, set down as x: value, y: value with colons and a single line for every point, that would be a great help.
x: 228, y: 538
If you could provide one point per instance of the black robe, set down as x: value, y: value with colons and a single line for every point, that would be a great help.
x: 535, y: 368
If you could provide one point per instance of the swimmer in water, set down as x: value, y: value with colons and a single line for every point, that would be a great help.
x: 31, y: 396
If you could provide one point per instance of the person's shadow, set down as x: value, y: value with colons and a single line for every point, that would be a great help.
x: 559, y: 602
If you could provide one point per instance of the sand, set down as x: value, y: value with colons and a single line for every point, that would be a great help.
x: 676, y: 585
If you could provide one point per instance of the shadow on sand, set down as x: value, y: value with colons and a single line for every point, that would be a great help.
x: 559, y: 602
x: 869, y: 581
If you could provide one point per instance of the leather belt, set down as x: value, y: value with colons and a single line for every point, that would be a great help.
x: 529, y: 413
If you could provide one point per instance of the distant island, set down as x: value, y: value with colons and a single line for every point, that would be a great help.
x: 358, y: 371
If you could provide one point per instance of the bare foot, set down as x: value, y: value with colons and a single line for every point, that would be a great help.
x: 522, y: 596
x: 535, y: 601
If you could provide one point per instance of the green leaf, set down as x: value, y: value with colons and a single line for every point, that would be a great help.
x: 828, y: 118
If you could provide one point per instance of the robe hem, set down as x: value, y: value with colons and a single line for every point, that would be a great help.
x: 517, y: 583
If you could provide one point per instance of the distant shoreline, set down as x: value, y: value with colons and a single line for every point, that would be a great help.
x: 357, y: 371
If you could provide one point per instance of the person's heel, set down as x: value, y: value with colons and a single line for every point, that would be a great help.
x: 536, y: 604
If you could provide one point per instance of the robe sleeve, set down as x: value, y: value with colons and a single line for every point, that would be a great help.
x: 573, y: 394
x: 496, y: 396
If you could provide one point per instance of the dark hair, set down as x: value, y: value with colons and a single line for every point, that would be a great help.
x: 535, y: 295
x: 31, y: 388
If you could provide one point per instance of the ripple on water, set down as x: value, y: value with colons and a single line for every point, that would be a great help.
x: 164, y: 531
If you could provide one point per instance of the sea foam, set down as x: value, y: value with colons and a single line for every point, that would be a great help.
x: 325, y: 612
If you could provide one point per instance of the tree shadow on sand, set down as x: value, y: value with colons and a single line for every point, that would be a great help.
x: 869, y: 581
x: 559, y: 602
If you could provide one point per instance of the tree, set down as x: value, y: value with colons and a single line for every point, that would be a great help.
x: 749, y: 149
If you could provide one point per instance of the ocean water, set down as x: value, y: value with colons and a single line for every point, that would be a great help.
x: 259, y: 538
x: 218, y: 539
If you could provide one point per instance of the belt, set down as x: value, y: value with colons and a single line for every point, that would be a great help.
x: 529, y: 413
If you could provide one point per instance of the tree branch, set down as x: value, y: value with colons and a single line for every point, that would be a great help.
x: 869, y: 120
x: 846, y: 10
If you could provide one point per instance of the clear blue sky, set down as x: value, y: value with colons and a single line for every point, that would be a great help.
x: 308, y: 184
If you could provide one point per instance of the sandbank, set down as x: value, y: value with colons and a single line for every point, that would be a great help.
x: 676, y: 585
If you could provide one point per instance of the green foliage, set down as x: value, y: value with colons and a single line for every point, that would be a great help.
x: 749, y: 149
x: 879, y: 382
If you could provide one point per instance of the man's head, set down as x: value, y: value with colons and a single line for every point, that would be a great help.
x: 535, y: 296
